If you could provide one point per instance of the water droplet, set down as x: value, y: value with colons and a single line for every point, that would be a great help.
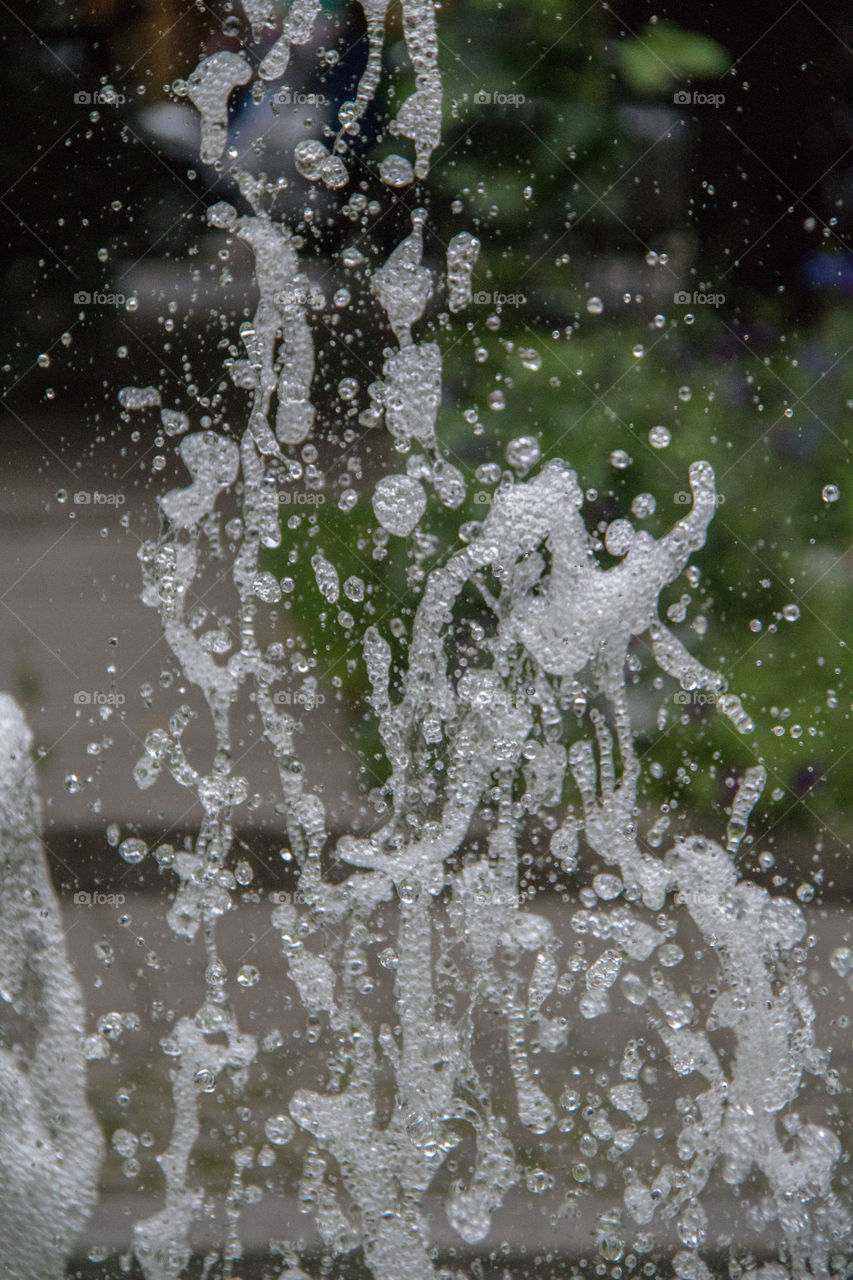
x: 607, y: 886
x: 309, y: 156
x: 266, y: 587
x: 643, y: 506
x: 124, y: 1142
x: 248, y: 975
x: 396, y: 171
x: 594, y: 306
x: 659, y: 438
x: 408, y: 891
x: 619, y: 537
x: 620, y: 459
x: 523, y: 453
x: 205, y: 1080
x: 279, y: 1130
x: 133, y: 850
x: 398, y: 503
x: 830, y: 493
x: 529, y: 358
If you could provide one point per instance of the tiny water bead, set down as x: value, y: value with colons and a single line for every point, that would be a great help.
x: 619, y: 537
x: 266, y: 588
x: 659, y: 438
x: 396, y: 171
x: 594, y: 306
x: 133, y: 850
x: 205, y: 1080
x: 830, y: 493
x: 279, y: 1130
x: 125, y: 1142
x: 643, y: 506
x: 522, y: 453
x: 348, y: 388
x: 620, y: 460
x: 398, y: 503
x: 408, y: 891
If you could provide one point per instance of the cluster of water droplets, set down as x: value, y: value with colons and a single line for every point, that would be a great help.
x: 463, y: 740
x: 457, y: 1091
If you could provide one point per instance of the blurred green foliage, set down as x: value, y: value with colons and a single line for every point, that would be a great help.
x: 561, y: 194
x: 665, y: 53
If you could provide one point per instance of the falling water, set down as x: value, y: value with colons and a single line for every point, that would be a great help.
x: 483, y: 1080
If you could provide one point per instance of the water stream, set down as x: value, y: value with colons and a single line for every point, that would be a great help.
x: 483, y: 1080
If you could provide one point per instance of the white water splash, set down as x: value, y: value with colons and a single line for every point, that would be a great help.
x: 553, y: 635
x: 50, y: 1143
x: 433, y: 986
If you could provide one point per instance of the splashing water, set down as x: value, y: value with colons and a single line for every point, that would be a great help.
x: 433, y: 986
x: 50, y: 1144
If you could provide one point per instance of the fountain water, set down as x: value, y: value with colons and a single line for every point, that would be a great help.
x: 433, y: 983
